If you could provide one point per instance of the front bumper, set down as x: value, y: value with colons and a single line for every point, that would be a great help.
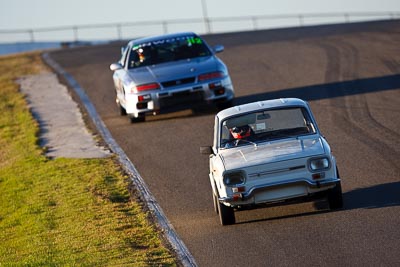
x: 257, y: 194
x: 187, y: 95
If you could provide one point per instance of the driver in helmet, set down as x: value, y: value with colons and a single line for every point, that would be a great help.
x: 240, y: 132
x: 237, y: 134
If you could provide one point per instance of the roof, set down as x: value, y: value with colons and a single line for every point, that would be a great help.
x: 261, y: 105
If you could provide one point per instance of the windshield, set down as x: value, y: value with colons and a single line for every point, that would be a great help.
x: 262, y: 126
x: 166, y: 50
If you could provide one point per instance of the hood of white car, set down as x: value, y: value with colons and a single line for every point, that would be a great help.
x: 274, y: 151
x: 173, y: 70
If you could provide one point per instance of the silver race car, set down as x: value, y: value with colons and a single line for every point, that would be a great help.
x: 167, y: 72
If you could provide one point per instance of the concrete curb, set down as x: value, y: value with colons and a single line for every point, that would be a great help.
x: 166, y: 227
x: 62, y: 130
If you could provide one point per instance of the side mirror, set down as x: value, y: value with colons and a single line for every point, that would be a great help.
x: 206, y: 150
x: 115, y: 66
x: 218, y: 48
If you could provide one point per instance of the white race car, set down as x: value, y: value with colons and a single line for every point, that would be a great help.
x: 270, y: 152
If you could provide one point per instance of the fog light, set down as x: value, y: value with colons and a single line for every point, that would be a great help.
x: 238, y: 189
x: 214, y: 85
x: 219, y: 91
x: 141, y: 105
x: 237, y: 197
x: 316, y: 176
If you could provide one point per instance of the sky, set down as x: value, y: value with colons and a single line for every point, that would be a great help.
x: 36, y: 14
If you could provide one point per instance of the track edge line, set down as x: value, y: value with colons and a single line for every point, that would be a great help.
x: 183, y: 254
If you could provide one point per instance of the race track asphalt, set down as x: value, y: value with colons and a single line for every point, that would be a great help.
x: 350, y: 74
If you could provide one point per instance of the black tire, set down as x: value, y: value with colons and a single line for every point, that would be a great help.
x: 138, y: 119
x: 215, y: 201
x: 122, y: 111
x: 335, y: 196
x: 226, y: 214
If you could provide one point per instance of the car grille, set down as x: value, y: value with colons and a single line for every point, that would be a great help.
x: 276, y: 172
x: 180, y: 98
x: 178, y: 82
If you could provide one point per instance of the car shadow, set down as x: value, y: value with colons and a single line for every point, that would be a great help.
x: 328, y: 90
x: 184, y: 111
x: 374, y: 197
x: 377, y: 196
x: 308, y: 93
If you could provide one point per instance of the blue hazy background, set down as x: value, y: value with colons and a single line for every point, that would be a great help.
x: 18, y: 17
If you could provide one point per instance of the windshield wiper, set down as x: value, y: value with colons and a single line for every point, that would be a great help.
x: 237, y: 141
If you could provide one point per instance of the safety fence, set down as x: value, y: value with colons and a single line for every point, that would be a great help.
x: 128, y: 30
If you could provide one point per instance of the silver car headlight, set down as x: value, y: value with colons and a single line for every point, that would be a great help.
x: 319, y: 164
x: 234, y: 178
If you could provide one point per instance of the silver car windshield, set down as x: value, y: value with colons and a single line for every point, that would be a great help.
x: 262, y: 126
x: 167, y: 50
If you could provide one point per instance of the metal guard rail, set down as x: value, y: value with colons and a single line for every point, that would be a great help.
x: 207, y: 23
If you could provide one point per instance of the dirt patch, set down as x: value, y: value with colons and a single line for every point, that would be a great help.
x: 62, y: 130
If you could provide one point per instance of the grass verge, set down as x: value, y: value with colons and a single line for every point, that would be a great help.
x: 63, y: 212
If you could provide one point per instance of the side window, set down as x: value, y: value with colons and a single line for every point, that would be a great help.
x: 216, y: 133
x: 125, y: 53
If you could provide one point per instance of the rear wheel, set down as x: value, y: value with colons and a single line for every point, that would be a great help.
x: 226, y: 214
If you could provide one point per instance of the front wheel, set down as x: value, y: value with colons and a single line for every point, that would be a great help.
x: 215, y: 202
x: 138, y: 119
x: 226, y: 214
x: 335, y: 196
x: 122, y: 110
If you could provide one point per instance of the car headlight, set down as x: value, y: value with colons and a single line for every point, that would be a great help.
x: 234, y: 178
x: 319, y: 164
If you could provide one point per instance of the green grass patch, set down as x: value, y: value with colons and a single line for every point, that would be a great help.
x: 63, y: 212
